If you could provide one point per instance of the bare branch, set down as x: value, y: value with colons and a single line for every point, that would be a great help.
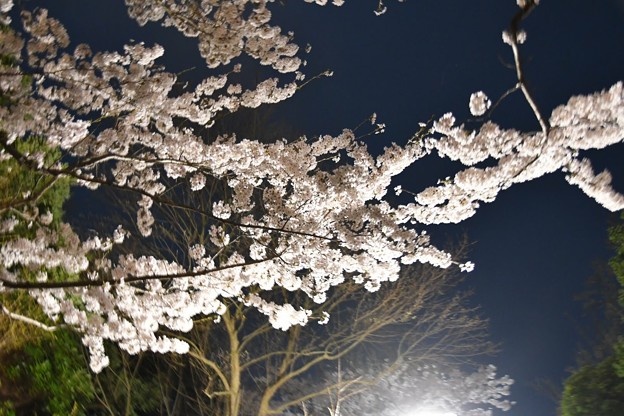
x: 29, y: 321
x: 514, y: 37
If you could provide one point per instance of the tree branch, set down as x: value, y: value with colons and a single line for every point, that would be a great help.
x: 514, y: 37
x: 29, y: 321
x: 130, y: 279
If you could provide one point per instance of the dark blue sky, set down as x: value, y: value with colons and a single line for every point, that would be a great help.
x: 536, y: 244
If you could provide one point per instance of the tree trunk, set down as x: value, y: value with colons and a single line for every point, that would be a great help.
x: 235, y: 376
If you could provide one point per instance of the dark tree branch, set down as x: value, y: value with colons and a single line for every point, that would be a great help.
x: 514, y: 38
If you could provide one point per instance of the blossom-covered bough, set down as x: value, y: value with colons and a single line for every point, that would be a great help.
x: 302, y: 215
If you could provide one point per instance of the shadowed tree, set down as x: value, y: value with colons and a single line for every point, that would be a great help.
x: 597, y: 386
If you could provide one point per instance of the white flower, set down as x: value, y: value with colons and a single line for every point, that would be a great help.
x: 6, y: 5
x: 46, y: 219
x: 198, y: 181
x: 218, y: 236
x: 521, y: 36
x: 325, y: 319
x: 8, y: 225
x: 221, y: 210
x: 381, y: 9
x: 479, y: 103
x: 257, y: 251
x: 507, y: 38
x: 119, y: 235
x: 197, y: 252
x: 467, y: 267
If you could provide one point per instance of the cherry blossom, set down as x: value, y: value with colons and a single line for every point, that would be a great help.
x: 285, y: 216
x: 479, y: 103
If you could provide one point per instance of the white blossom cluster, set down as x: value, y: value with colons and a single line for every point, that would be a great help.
x: 225, y: 29
x: 586, y: 122
x: 280, y: 316
x: 307, y: 226
x: 479, y: 103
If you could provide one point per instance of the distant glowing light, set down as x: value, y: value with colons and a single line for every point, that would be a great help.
x: 431, y: 412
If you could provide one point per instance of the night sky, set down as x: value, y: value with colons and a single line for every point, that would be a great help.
x: 535, y: 246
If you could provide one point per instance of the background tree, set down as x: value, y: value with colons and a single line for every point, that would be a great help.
x: 616, y: 235
x: 597, y: 386
x: 32, y: 358
x: 596, y: 389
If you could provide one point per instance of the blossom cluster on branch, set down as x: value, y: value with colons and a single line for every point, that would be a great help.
x: 302, y: 215
x: 588, y: 122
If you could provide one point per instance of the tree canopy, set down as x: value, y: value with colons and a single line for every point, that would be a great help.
x: 304, y: 216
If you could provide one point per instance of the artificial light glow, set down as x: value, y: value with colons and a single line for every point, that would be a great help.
x: 431, y: 412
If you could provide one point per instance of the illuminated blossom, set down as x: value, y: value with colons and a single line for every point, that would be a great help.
x: 282, y: 217
x: 479, y: 103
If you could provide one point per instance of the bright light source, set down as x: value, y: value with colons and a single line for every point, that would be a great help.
x: 431, y: 412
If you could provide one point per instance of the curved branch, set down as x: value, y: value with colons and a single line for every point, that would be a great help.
x: 513, y: 39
